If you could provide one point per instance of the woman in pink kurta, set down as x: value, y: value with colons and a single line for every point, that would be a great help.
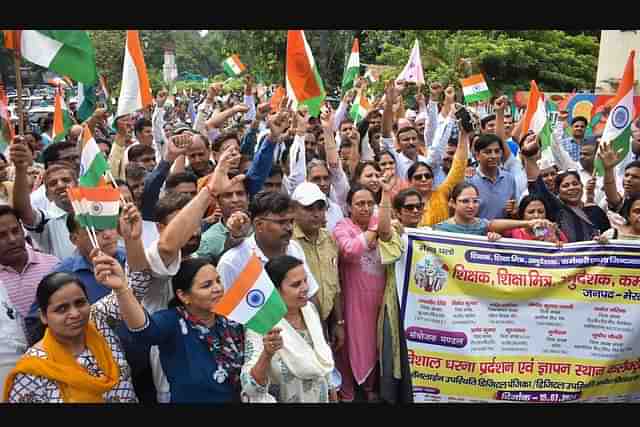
x: 362, y: 281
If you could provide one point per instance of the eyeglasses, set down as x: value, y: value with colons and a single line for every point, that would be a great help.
x: 417, y: 207
x: 422, y: 176
x: 475, y: 201
x: 281, y: 222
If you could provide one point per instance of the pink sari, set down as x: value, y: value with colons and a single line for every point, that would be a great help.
x: 362, y: 281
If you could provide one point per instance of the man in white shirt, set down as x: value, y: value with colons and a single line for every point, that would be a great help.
x: 47, y: 228
x: 272, y: 215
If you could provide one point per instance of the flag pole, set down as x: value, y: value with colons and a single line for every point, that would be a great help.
x: 17, y: 63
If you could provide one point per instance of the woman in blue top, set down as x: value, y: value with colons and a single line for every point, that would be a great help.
x: 201, y: 353
x: 465, y: 203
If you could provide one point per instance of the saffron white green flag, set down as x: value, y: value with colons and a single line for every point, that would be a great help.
x: 475, y: 89
x: 253, y: 300
x: 617, y: 131
x: 67, y: 52
x: 232, y: 66
x: 535, y: 118
x: 360, y: 108
x: 62, y: 120
x: 93, y: 165
x: 87, y: 101
x: 304, y: 84
x: 352, y: 69
x: 96, y: 207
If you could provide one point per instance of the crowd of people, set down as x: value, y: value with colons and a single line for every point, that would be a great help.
x: 323, y: 202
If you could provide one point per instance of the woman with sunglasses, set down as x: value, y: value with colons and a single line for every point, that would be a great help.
x: 465, y: 203
x: 363, y: 282
x: 579, y: 222
x: 435, y: 200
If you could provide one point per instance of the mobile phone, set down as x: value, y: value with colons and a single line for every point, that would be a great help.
x: 465, y: 119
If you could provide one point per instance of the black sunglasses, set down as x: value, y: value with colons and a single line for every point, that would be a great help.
x: 417, y: 207
x: 422, y: 176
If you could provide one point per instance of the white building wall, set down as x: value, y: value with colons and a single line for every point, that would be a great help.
x: 615, y: 46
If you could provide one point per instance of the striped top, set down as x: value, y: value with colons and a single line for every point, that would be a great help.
x: 21, y: 286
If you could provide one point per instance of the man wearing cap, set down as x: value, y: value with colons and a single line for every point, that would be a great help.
x: 321, y: 253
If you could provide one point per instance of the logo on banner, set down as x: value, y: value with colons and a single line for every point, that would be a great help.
x: 431, y: 274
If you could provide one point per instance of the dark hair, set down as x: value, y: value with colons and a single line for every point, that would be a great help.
x: 183, y: 280
x: 2, y: 157
x: 406, y: 129
x: 634, y: 164
x: 225, y: 136
x: 360, y: 169
x: 414, y: 167
x: 486, y: 119
x: 35, y: 135
x: 527, y: 200
x: 134, y: 171
x: 104, y: 141
x: 121, y: 182
x: 628, y: 204
x: 263, y: 203
x: 8, y: 210
x: 460, y: 187
x: 141, y: 124
x: 486, y: 139
x: 354, y: 189
x: 579, y: 119
x: 345, y: 120
x: 453, y: 141
x: 562, y: 175
x: 51, y: 283
x: 72, y: 224
x: 180, y: 178
x: 378, y: 156
x: 278, y: 267
x: 170, y: 202
x: 138, y: 150
x: 51, y: 153
x: 399, y: 199
x: 276, y: 169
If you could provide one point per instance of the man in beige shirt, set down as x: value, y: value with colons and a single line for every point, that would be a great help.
x: 321, y: 253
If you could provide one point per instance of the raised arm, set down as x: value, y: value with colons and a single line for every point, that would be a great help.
x: 220, y: 118
x: 499, y: 106
x: 130, y: 228
x: 459, y: 163
x: 384, y: 222
x: 22, y: 158
x: 609, y: 160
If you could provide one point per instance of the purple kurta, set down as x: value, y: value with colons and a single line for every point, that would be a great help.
x: 362, y: 282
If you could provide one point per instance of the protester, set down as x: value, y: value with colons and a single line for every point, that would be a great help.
x: 80, y: 359
x: 363, y: 279
x: 630, y: 230
x: 292, y: 363
x: 465, y: 202
x: 534, y: 207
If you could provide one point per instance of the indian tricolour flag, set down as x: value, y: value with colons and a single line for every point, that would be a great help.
x: 87, y: 101
x: 353, y: 67
x: 304, y: 85
x: 617, y: 131
x: 62, y: 121
x: 253, y: 300
x: 93, y: 165
x: 67, y: 52
x: 360, y: 108
x: 233, y: 66
x: 96, y: 207
x: 475, y: 89
x: 135, y: 92
x: 535, y: 118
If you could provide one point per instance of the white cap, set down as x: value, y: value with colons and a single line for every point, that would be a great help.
x: 308, y: 193
x: 410, y: 114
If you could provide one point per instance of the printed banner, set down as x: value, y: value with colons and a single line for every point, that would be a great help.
x: 520, y: 321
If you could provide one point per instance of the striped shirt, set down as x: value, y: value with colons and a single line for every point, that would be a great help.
x: 21, y: 286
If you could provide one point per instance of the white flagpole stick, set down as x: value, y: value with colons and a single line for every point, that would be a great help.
x: 91, y: 239
x: 115, y: 185
x: 93, y: 230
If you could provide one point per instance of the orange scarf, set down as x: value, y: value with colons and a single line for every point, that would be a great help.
x: 75, y: 383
